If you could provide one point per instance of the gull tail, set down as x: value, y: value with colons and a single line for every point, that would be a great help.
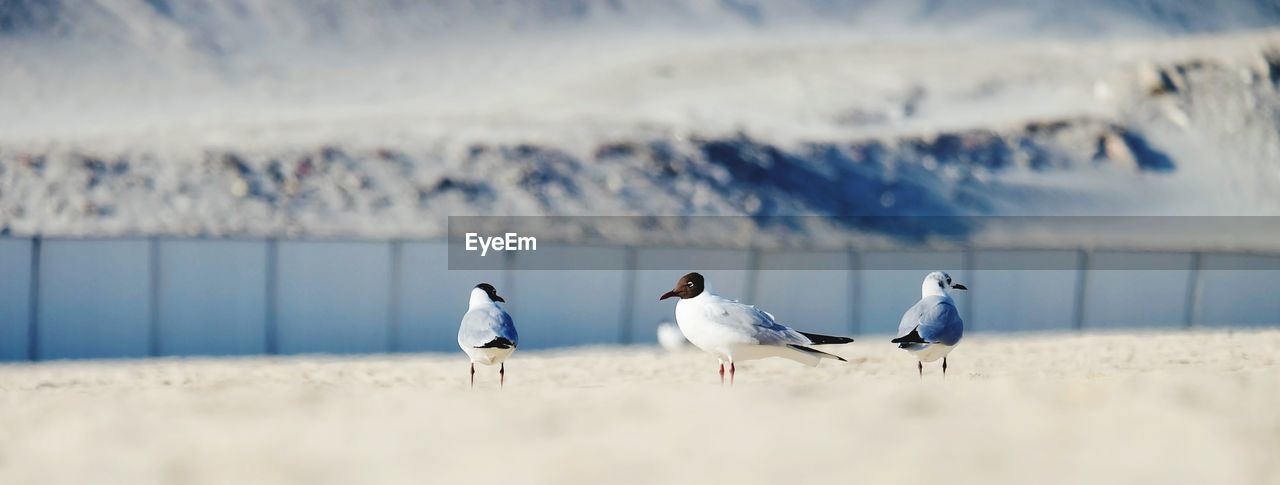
x: 497, y: 343
x: 810, y: 357
x: 817, y: 339
x: 910, y: 340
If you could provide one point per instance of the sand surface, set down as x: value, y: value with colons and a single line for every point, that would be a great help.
x: 1169, y: 408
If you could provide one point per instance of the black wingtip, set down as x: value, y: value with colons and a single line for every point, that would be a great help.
x: 911, y: 338
x: 497, y: 343
x: 819, y: 339
x: 816, y: 351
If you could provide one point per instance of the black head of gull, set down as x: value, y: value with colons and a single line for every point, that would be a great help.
x: 491, y: 291
x: 689, y: 286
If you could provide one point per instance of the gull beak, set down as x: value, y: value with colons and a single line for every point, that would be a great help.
x: 958, y: 286
x: 499, y: 298
x: 666, y: 295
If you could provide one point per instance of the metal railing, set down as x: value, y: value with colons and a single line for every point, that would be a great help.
x: 615, y: 316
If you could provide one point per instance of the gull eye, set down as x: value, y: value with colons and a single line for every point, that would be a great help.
x: 690, y: 284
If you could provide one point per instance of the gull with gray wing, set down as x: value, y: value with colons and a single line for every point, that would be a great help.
x: 932, y: 327
x: 487, y: 334
x: 735, y: 331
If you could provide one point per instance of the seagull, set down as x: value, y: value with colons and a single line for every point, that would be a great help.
x: 487, y: 334
x: 735, y: 331
x: 932, y: 327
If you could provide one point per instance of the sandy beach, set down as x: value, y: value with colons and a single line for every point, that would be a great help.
x: 1169, y: 408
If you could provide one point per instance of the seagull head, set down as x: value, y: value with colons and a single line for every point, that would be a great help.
x: 689, y: 286
x: 939, y: 283
x: 489, y: 292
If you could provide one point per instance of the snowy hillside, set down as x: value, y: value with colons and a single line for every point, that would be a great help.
x: 378, y: 118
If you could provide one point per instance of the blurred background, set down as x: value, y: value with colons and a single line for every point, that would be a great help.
x: 276, y: 176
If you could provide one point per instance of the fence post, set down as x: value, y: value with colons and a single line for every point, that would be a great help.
x: 273, y: 271
x: 1082, y: 287
x: 1194, y: 290
x: 970, y: 274
x: 33, y: 302
x: 393, y: 299
x: 628, y: 295
x: 508, y: 274
x: 753, y: 275
x: 855, y: 290
x: 153, y: 307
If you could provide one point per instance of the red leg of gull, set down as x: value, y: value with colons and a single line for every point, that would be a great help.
x: 473, y: 374
x: 502, y: 374
x: 722, y: 373
x: 732, y: 369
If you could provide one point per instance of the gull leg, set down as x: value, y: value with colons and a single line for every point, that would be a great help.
x: 502, y: 374
x: 722, y: 373
x: 920, y: 368
x: 944, y: 367
x: 473, y: 374
x: 732, y: 369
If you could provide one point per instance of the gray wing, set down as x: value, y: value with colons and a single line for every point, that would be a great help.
x: 482, y: 325
x: 757, y: 325
x: 935, y: 319
x: 507, y: 329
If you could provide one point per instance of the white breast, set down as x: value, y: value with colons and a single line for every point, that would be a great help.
x: 706, y: 333
x: 932, y: 352
x: 489, y: 355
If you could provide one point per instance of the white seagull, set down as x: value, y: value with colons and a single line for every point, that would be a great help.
x: 735, y: 331
x: 932, y: 327
x: 487, y: 334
